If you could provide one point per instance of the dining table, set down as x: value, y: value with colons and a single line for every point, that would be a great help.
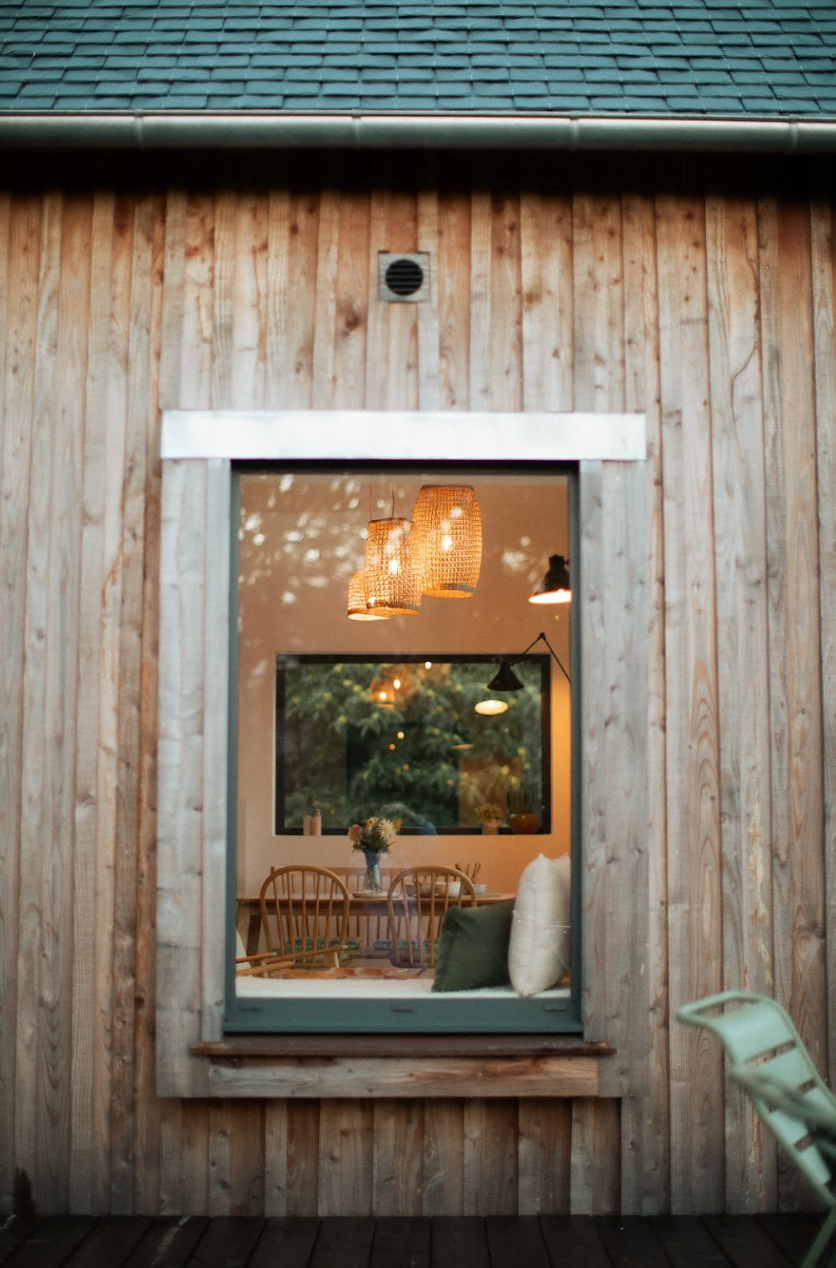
x: 363, y: 905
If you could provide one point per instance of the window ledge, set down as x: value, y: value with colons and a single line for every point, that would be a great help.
x: 405, y: 1066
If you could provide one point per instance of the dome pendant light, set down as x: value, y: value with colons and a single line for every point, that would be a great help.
x: 448, y: 540
x: 555, y: 586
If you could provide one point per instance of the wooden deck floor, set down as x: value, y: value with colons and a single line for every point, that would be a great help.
x: 766, y: 1241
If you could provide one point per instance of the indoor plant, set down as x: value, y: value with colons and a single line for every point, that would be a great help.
x: 524, y: 817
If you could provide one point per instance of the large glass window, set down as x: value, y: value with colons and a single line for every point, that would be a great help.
x: 410, y: 719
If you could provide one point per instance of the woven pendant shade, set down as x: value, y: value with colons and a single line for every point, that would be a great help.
x: 391, y: 582
x: 358, y: 609
x: 448, y: 540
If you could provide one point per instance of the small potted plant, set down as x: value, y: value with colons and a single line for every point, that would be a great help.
x: 490, y: 817
x: 524, y: 818
x: 312, y: 823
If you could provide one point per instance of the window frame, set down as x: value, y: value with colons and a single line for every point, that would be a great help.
x: 195, y: 680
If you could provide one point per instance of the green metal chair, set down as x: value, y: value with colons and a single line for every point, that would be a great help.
x: 765, y: 1057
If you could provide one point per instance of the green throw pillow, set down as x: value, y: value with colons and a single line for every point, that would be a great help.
x: 473, y: 948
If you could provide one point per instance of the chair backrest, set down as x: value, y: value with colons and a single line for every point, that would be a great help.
x: 417, y: 902
x: 767, y: 1059
x: 304, y: 913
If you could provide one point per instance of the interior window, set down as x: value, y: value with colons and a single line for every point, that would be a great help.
x: 403, y: 744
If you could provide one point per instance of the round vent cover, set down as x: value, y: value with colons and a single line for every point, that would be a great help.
x: 404, y: 276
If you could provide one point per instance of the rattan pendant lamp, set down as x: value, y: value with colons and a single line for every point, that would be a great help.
x: 358, y: 600
x: 448, y: 540
x: 392, y: 587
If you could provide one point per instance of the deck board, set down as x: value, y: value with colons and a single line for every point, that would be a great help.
x: 548, y: 1241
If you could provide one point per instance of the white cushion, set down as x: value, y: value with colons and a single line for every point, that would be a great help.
x: 240, y: 949
x: 538, y: 954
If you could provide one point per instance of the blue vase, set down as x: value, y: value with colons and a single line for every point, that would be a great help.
x: 371, y: 881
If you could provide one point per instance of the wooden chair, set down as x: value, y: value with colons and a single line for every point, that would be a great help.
x: 304, y: 917
x: 767, y: 1059
x: 417, y: 902
x: 470, y: 870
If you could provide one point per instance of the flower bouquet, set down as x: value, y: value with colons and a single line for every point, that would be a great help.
x: 374, y: 836
x: 489, y: 816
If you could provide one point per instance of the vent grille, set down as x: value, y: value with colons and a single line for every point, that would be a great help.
x: 404, y: 279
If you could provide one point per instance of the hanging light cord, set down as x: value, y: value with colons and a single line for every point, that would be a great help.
x: 551, y: 649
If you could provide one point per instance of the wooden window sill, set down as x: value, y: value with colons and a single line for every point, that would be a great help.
x: 404, y: 1066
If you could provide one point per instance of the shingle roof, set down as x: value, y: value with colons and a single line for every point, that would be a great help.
x: 764, y: 58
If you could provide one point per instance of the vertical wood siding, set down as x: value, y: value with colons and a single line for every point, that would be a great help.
x: 714, y: 315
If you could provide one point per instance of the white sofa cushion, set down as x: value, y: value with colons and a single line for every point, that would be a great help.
x: 538, y: 954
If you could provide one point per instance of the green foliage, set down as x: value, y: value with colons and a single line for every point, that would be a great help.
x: 429, y: 754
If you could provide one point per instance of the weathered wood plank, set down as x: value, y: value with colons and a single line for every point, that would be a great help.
x: 645, y: 1110
x: 824, y: 351
x: 157, y: 1176
x: 792, y: 1234
x: 227, y: 1241
x: 351, y: 295
x: 401, y: 1240
x: 595, y: 1186
x: 168, y: 1243
x: 573, y: 1242
x: 443, y: 1157
x: 323, y: 387
x: 629, y: 1243
x: 516, y: 1242
x: 391, y: 377
x: 693, y: 828
x: 398, y: 1179
x: 792, y: 536
x: 54, y: 1240
x: 150, y: 1112
x: 133, y: 505
x: 744, y: 1242
x: 370, y: 1077
x: 490, y: 1157
x: 481, y: 317
x: 87, y: 1191
x: 181, y: 770
x: 249, y: 327
x: 740, y: 510
x: 298, y: 348
x: 346, y: 1158
x: 17, y: 437
x: 288, y: 1243
x: 544, y: 1140
x: 343, y: 1243
x: 459, y: 1242
x: 453, y: 287
x: 110, y: 1242
x: 303, y: 1157
x: 687, y: 1243
x: 547, y: 301
x: 429, y: 331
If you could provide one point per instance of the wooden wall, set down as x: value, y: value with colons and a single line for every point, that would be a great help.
x: 707, y: 304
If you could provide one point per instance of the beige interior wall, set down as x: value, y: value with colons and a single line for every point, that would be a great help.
x: 302, y: 536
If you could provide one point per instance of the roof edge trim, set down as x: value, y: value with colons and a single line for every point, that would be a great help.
x: 412, y: 131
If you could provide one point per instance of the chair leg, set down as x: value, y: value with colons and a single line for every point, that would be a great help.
x: 820, y: 1242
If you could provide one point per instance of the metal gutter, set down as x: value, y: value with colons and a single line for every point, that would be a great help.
x: 413, y: 131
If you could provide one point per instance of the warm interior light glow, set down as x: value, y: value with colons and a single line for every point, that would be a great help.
x: 555, y: 596
x: 448, y: 540
x: 359, y: 607
x: 491, y: 707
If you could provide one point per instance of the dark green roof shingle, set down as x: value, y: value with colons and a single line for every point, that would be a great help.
x: 693, y: 57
